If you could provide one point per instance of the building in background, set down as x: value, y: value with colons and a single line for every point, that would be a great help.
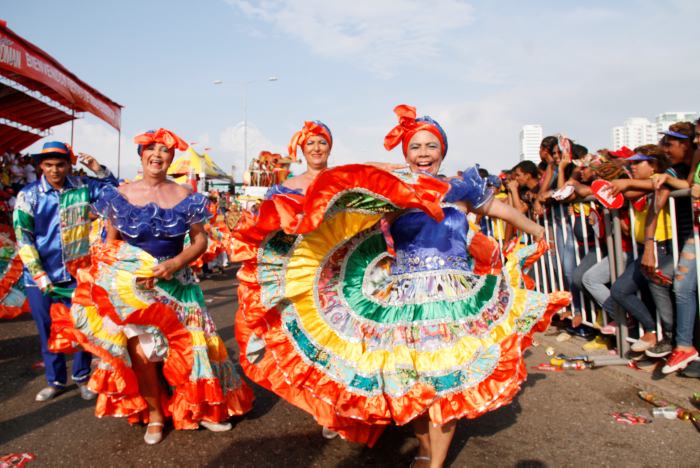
x: 663, y: 121
x: 637, y: 131
x: 634, y: 132
x: 530, y: 139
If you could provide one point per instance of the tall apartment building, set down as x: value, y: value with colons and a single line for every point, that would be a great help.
x: 634, y: 132
x: 663, y: 121
x: 530, y: 139
x: 638, y: 131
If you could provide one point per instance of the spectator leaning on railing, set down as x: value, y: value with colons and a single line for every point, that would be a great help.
x: 653, y: 235
x: 680, y: 145
x: 574, y: 182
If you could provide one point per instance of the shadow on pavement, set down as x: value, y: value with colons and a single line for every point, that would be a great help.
x: 44, y: 414
x: 16, y: 354
x: 265, y: 400
x: 261, y: 452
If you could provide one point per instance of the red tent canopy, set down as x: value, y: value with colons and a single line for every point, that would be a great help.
x: 37, y: 92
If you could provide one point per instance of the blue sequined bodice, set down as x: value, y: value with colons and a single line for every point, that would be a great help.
x: 159, y: 231
x: 423, y: 244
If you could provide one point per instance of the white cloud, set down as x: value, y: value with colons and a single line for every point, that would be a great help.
x: 231, y: 147
x: 379, y: 36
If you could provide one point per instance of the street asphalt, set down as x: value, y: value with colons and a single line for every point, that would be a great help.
x: 558, y: 419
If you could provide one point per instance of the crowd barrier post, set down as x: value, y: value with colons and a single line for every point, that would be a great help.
x: 615, y: 256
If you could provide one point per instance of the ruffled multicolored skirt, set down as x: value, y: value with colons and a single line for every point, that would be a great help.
x: 109, y: 299
x: 323, y: 323
x: 13, y: 301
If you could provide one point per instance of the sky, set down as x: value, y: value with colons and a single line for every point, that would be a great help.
x: 482, y: 69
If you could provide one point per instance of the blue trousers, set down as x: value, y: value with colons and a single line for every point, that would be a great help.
x: 55, y: 362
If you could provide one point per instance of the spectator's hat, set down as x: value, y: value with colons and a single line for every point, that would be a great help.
x: 623, y: 152
x: 673, y: 134
x: 641, y: 157
x: 55, y: 149
x: 680, y: 131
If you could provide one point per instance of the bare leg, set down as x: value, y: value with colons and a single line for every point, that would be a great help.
x: 420, y: 426
x: 149, y: 383
x: 440, y: 440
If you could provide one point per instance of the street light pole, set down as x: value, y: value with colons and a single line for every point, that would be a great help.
x: 245, y: 125
x: 245, y: 113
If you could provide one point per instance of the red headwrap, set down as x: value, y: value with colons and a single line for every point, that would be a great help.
x: 309, y: 129
x: 409, y: 126
x: 163, y: 136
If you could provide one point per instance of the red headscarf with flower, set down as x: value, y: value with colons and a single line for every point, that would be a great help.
x: 163, y: 136
x: 409, y: 125
x: 310, y: 128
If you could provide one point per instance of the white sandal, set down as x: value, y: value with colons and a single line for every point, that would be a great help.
x: 151, y: 438
x: 418, y: 458
x: 216, y: 427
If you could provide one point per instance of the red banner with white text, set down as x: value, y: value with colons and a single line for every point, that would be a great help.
x: 23, y: 62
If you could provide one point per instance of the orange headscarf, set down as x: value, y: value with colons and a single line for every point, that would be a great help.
x: 163, y: 136
x: 310, y: 128
x: 409, y: 126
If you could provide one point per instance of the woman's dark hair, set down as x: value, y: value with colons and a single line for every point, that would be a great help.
x: 578, y: 151
x: 483, y: 173
x: 528, y: 167
x: 549, y: 143
x: 542, y: 166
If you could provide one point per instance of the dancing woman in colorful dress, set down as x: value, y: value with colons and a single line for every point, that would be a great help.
x: 139, y: 310
x: 364, y: 326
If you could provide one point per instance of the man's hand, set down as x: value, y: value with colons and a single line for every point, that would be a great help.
x: 46, y: 288
x: 513, y: 186
x: 90, y: 162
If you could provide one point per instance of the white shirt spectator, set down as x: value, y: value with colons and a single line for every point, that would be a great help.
x: 29, y: 173
x: 16, y: 173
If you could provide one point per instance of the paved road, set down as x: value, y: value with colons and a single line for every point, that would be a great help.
x: 559, y: 419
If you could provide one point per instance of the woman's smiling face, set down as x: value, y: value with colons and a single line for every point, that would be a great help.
x: 156, y: 158
x: 424, y: 153
x: 316, y: 152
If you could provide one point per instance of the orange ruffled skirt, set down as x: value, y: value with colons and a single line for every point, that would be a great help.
x: 204, y: 384
x: 13, y: 301
x: 323, y: 323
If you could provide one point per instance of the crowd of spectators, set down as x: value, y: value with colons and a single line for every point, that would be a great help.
x: 651, y: 290
x: 16, y: 170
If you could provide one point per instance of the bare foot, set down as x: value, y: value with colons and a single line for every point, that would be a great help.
x: 576, y: 320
